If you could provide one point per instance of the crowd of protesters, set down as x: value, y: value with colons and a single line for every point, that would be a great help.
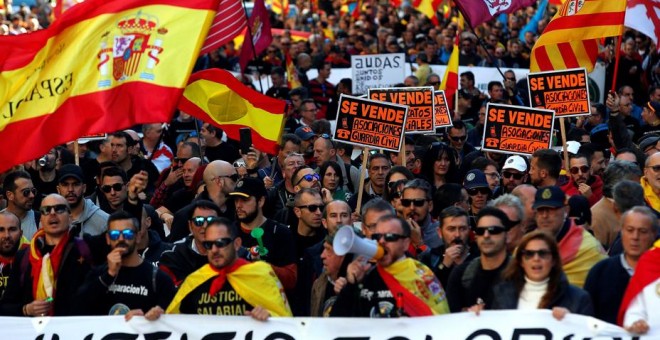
x: 495, y: 231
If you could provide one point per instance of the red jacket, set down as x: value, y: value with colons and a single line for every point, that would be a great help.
x: 571, y: 189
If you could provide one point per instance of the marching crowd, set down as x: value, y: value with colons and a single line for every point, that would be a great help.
x: 179, y: 220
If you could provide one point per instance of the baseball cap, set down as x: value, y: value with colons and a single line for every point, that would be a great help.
x: 475, y: 179
x: 305, y: 133
x: 249, y: 187
x: 572, y: 147
x: 552, y: 197
x: 648, y: 141
x: 70, y: 170
x: 515, y: 162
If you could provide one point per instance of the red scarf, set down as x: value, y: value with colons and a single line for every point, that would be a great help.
x: 36, y: 260
x: 412, y: 305
x: 219, y: 281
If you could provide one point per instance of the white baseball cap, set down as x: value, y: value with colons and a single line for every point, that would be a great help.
x: 515, y: 162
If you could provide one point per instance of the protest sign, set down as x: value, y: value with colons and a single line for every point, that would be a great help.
x: 517, y: 129
x: 370, y: 123
x: 566, y: 92
x: 377, y: 70
x: 442, y: 114
x: 420, y: 102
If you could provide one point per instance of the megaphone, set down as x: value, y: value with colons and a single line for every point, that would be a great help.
x: 346, y: 241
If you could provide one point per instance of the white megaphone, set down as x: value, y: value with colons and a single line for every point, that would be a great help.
x: 346, y: 241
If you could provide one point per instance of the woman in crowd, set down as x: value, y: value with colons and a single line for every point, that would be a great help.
x: 333, y: 181
x: 396, y: 179
x: 439, y: 165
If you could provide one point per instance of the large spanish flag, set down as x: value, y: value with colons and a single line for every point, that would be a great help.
x: 103, y: 66
x: 450, y: 80
x: 571, y: 39
x: 217, y: 97
x: 579, y: 252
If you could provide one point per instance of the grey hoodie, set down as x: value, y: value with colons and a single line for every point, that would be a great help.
x: 93, y: 220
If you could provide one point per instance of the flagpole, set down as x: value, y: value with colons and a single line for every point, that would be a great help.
x: 248, y: 30
x: 480, y: 42
x: 617, y: 57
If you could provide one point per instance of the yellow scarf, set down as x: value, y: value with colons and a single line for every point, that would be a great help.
x: 255, y: 282
x: 420, y: 281
x: 650, y: 196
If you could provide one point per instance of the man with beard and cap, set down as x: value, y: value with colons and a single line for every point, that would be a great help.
x: 581, y: 180
x: 275, y: 245
x: 477, y: 187
x: 10, y: 242
x: 20, y: 193
x: 35, y: 288
x: 126, y: 282
x: 396, y: 286
x: 456, y: 246
x: 87, y: 217
x: 514, y: 173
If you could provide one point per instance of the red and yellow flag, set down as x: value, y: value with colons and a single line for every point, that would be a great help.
x: 101, y: 67
x: 450, y: 80
x: 217, y: 97
x: 291, y: 74
x: 428, y: 8
x: 571, y: 39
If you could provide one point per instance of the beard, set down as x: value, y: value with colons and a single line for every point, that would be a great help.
x: 129, y: 248
x: 9, y: 248
x: 249, y: 217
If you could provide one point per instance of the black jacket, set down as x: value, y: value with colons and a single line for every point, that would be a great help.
x: 181, y: 260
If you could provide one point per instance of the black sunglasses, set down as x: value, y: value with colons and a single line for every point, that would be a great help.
x: 394, y: 184
x: 27, y: 191
x: 389, y: 237
x: 108, y: 188
x: 583, y: 169
x: 59, y: 209
x: 312, y: 207
x: 234, y: 177
x: 219, y: 243
x: 474, y: 191
x: 458, y: 138
x: 200, y: 220
x: 128, y: 234
x: 418, y: 202
x: 492, y: 230
x: 180, y: 160
x: 516, y: 176
x: 308, y: 178
x: 542, y: 253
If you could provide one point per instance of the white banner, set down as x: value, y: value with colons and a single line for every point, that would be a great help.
x: 490, y: 325
x: 376, y: 71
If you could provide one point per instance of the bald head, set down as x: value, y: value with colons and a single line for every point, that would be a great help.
x: 218, y: 175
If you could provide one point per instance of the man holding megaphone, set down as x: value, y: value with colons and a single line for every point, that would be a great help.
x: 395, y: 286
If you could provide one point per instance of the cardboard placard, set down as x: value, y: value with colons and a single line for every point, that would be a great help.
x: 420, y: 102
x: 566, y: 92
x: 370, y: 123
x: 517, y: 129
x: 442, y: 113
x: 377, y: 71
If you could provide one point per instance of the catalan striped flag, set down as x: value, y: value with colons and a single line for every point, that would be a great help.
x: 428, y: 8
x: 571, y: 39
x: 229, y: 22
x: 217, y: 97
x: 102, y: 66
x: 280, y: 7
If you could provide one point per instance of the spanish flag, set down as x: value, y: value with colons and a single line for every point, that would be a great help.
x: 255, y: 282
x: 571, y: 39
x: 428, y: 8
x: 450, y: 80
x: 103, y: 66
x: 579, y: 251
x: 646, y: 273
x: 217, y: 97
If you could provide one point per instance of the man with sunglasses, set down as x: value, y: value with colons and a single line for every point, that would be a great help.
x: 457, y: 135
x: 88, y: 217
x: 472, y: 282
x: 188, y: 254
x: 394, y: 284
x: 514, y: 173
x: 20, y: 194
x: 50, y: 271
x: 476, y: 185
x: 228, y: 284
x: 650, y: 181
x: 582, y: 181
x: 417, y: 203
x: 125, y: 282
x: 578, y: 249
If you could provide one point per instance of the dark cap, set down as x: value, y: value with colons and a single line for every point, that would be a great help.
x: 648, y: 141
x: 249, y: 187
x: 305, y: 133
x: 475, y: 179
x: 654, y: 107
x: 70, y: 170
x: 552, y: 197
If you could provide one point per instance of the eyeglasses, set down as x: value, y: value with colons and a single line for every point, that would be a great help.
x: 308, y: 178
x: 59, y: 209
x: 311, y: 207
x: 543, y: 254
x: 474, y: 191
x: 458, y: 138
x: 108, y: 188
x: 583, y: 169
x: 419, y: 202
x: 516, y: 176
x: 492, y: 175
x: 394, y: 184
x: 200, y: 220
x: 128, y: 234
x: 219, y: 243
x: 27, y: 191
x: 389, y: 237
x: 180, y: 160
x: 492, y: 230
x: 234, y: 177
x: 655, y: 168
